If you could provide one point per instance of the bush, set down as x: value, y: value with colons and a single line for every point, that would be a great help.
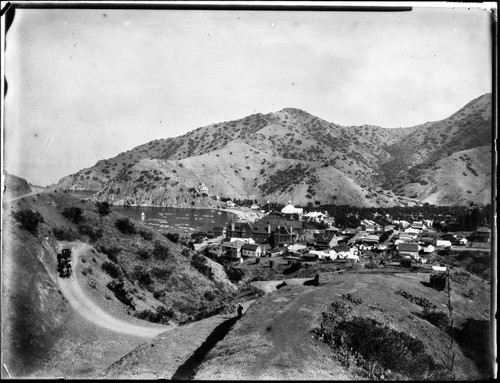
x: 376, y: 343
x: 146, y: 234
x: 143, y: 254
x: 125, y: 226
x: 234, y: 274
x: 199, y: 262
x: 103, y: 208
x: 173, y: 237
x: 118, y: 288
x: 111, y: 252
x: 142, y: 276
x: 435, y: 317
x: 112, y: 269
x: 162, y: 315
x: 74, y: 214
x: 91, y: 232
x: 29, y: 219
x: 161, y: 251
x: 65, y: 234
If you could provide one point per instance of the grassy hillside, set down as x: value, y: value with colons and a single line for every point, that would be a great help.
x: 290, y: 154
x: 280, y: 336
x: 128, y: 270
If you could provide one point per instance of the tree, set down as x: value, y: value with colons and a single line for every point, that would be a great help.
x: 74, y: 214
x: 29, y: 219
x: 103, y: 208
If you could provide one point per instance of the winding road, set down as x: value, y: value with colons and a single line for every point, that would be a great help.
x: 84, y: 305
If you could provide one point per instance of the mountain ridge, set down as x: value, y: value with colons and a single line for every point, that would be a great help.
x: 291, y: 154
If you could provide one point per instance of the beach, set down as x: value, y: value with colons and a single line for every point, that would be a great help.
x: 245, y: 213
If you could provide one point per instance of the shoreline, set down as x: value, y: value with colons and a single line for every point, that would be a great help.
x: 246, y: 215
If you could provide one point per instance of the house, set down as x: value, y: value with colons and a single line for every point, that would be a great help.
x: 412, y: 231
x: 200, y: 246
x: 332, y: 229
x: 296, y: 248
x: 389, y: 228
x: 443, y: 243
x: 349, y: 232
x: 405, y: 261
x: 428, y: 249
x: 201, y: 188
x: 371, y: 239
x: 438, y: 281
x: 315, y: 216
x: 310, y: 257
x: 409, y: 249
x: 369, y: 226
x: 239, y: 230
x: 251, y: 250
x: 318, y: 254
x: 482, y: 234
x: 407, y: 237
x: 327, y: 241
x: 342, y: 250
x: 232, y: 249
x: 418, y: 225
x: 352, y: 258
x: 291, y: 210
x: 276, y: 252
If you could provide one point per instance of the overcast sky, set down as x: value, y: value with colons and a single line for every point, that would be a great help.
x: 84, y: 85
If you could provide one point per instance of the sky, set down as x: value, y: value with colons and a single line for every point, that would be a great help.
x: 87, y: 84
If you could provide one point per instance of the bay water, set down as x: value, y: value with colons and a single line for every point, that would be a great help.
x: 176, y: 220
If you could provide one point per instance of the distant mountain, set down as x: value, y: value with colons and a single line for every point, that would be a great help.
x: 293, y: 155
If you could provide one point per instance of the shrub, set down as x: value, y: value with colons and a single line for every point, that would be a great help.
x: 118, y: 288
x: 234, y: 274
x: 111, y: 252
x: 142, y: 276
x: 67, y: 234
x: 29, y: 219
x: 162, y: 315
x: 199, y: 262
x: 74, y: 214
x: 93, y: 233
x: 146, y: 234
x: 112, y: 269
x: 103, y: 208
x: 143, y: 254
x: 376, y: 343
x: 125, y: 226
x: 435, y: 317
x: 160, y: 251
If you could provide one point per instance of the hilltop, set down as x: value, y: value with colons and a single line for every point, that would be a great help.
x: 291, y: 154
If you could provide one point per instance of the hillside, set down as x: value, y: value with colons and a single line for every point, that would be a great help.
x: 291, y: 154
x: 279, y: 337
x: 125, y: 275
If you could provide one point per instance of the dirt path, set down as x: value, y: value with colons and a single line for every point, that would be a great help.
x: 82, y: 304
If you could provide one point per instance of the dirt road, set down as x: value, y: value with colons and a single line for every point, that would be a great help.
x: 82, y: 304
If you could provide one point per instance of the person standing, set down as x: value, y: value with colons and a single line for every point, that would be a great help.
x: 240, y: 310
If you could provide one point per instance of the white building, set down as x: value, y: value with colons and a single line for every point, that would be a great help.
x: 290, y: 209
